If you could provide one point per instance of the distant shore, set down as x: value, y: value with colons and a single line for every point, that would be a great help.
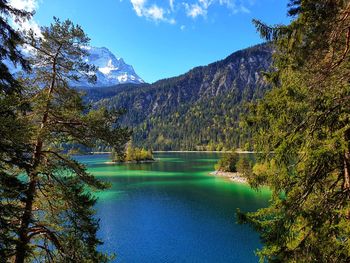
x: 238, y: 151
x: 235, y: 177
x: 185, y: 152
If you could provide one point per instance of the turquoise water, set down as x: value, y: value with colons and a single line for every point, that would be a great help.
x: 173, y: 211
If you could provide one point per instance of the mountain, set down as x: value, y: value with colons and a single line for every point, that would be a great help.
x: 197, y: 110
x: 111, y: 70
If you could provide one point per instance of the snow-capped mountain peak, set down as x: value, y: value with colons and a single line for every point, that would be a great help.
x: 112, y: 70
x: 108, y: 68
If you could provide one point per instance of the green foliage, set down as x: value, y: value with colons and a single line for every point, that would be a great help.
x: 302, y: 128
x: 244, y: 166
x: 228, y: 163
x: 133, y: 154
x: 11, y: 39
x: 14, y: 131
x: 45, y: 196
x: 199, y: 110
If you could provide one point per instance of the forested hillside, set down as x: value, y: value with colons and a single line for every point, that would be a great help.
x: 198, y: 110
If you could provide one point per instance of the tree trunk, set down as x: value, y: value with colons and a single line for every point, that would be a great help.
x: 26, y: 218
x: 346, y: 184
x: 21, y: 248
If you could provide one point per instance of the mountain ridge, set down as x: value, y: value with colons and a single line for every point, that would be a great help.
x: 197, y: 110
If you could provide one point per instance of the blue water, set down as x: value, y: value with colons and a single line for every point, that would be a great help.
x: 173, y: 211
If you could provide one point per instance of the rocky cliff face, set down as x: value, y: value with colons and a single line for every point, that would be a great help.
x: 196, y: 109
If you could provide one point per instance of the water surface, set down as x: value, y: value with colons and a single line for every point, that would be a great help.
x: 173, y: 211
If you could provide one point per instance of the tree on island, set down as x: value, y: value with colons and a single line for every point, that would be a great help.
x: 236, y: 163
x: 228, y: 163
x: 302, y: 127
x: 48, y: 200
x: 132, y: 154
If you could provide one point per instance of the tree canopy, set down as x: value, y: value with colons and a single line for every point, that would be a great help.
x: 46, y: 196
x: 303, y: 128
x: 13, y: 130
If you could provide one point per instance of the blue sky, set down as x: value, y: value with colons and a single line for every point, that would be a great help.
x: 166, y: 38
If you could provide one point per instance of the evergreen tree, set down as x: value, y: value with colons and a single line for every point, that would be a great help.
x: 54, y: 217
x: 10, y: 41
x: 303, y: 128
x: 133, y: 154
x: 228, y: 163
x: 14, y: 140
x: 244, y: 166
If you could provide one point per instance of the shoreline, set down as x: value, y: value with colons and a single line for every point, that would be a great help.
x: 185, y: 152
x: 203, y: 151
x: 234, y: 177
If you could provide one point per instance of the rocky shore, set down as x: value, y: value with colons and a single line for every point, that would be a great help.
x: 235, y: 177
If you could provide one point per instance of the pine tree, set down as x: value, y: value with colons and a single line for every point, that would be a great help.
x: 228, y: 163
x: 303, y: 128
x: 10, y: 42
x: 52, y: 217
x: 14, y: 139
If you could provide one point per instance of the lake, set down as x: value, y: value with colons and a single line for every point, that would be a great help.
x: 173, y: 211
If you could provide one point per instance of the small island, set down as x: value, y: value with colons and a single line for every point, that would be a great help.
x: 132, y: 155
x: 232, y: 167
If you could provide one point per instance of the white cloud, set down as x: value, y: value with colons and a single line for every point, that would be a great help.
x: 138, y: 6
x: 195, y: 10
x: 201, y: 7
x: 152, y: 12
x: 237, y: 6
x: 192, y: 8
x: 23, y: 24
x: 30, y: 6
x: 171, y: 3
x: 158, y: 14
x: 155, y: 12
